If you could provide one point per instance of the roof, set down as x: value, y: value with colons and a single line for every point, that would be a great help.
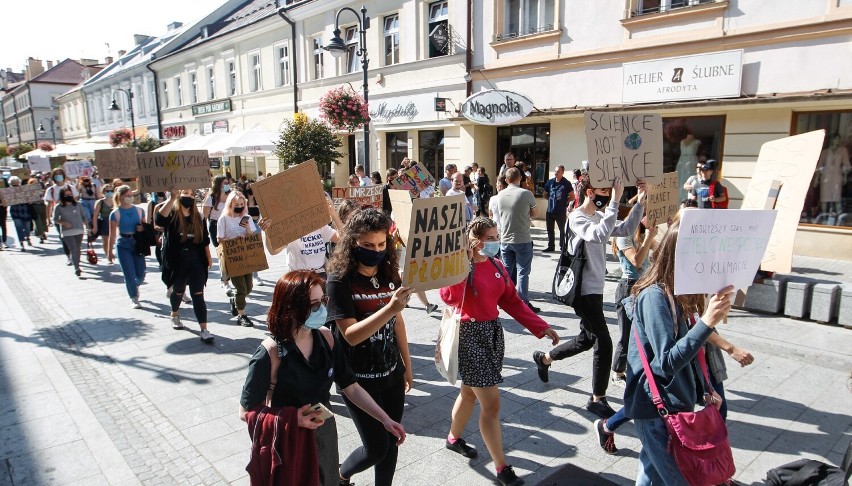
x: 66, y: 72
x: 250, y: 12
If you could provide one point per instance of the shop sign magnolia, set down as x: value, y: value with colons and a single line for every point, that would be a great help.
x: 496, y: 107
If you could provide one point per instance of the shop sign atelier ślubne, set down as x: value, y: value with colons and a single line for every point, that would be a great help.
x: 699, y: 77
x: 496, y: 107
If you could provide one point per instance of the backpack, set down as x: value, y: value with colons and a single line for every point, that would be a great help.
x: 568, y: 277
x: 720, y: 205
x: 808, y: 472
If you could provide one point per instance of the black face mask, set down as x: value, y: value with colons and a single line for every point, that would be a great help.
x: 187, y: 201
x: 601, y: 201
x: 239, y: 209
x: 68, y: 198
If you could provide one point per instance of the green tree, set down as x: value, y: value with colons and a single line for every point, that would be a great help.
x: 4, y: 150
x: 19, y: 150
x: 304, y: 139
x: 146, y: 144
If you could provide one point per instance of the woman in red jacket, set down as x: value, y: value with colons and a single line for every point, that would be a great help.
x: 481, y: 345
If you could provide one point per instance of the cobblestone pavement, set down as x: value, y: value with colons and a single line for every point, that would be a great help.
x: 94, y: 392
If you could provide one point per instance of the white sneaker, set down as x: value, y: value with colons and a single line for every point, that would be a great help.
x: 258, y: 282
x: 134, y: 303
x: 186, y: 298
x: 206, y: 337
x: 176, y: 324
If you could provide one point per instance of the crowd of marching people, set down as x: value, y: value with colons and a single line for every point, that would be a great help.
x: 336, y: 315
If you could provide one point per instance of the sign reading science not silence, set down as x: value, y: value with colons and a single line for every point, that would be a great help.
x: 625, y: 145
x: 436, y: 240
x: 496, y: 107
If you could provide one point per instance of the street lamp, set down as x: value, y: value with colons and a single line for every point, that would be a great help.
x: 52, y: 131
x: 337, y: 47
x: 114, y: 107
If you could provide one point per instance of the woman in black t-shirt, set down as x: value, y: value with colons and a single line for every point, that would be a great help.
x: 309, y: 359
x: 366, y: 300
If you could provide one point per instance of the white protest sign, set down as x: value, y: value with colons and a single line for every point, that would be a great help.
x: 625, y: 145
x: 720, y: 247
x: 38, y: 164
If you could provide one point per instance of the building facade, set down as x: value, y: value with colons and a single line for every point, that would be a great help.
x: 73, y: 118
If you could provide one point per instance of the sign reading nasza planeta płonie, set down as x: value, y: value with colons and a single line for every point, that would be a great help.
x: 496, y: 107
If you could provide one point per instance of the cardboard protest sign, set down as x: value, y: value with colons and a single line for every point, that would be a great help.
x: 662, y: 199
x: 436, y: 253
x: 242, y: 256
x: 27, y: 193
x: 363, y: 196
x: 625, y: 145
x: 39, y: 164
x: 294, y: 201
x: 790, y: 161
x: 183, y: 169
x: 116, y: 163
x: 720, y: 247
x: 401, y: 211
x: 415, y: 179
x: 22, y: 173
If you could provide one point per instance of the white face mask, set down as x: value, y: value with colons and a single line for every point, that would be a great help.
x: 127, y: 200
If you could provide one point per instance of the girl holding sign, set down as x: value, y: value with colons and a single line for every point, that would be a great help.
x: 481, y: 345
x: 366, y: 300
x: 186, y: 255
x: 236, y: 223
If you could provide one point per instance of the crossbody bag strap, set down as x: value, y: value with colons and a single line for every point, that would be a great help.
x: 655, y: 392
x: 271, y: 347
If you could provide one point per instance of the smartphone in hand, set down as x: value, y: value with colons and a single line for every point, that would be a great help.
x: 325, y: 413
x: 245, y: 220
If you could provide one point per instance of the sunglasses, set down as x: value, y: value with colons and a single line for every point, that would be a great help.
x: 315, y: 306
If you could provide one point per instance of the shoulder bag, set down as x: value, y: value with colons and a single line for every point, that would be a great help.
x: 447, y: 348
x: 568, y: 277
x: 146, y: 238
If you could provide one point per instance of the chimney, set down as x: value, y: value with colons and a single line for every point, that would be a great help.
x: 34, y: 68
x: 121, y: 53
x: 174, y: 26
x: 108, y: 60
x: 49, y: 64
x: 139, y: 39
x: 89, y: 62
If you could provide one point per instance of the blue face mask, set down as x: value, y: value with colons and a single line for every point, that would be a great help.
x: 490, y: 249
x: 317, y: 318
x: 226, y: 187
x: 59, y: 178
x: 108, y: 194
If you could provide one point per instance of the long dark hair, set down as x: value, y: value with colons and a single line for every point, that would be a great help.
x: 370, y: 220
x: 291, y: 303
x: 216, y: 189
x: 197, y: 229
x: 62, y: 195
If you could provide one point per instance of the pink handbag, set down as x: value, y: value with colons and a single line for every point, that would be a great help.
x: 698, y: 441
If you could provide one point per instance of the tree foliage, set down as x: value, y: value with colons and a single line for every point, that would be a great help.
x: 4, y: 150
x: 146, y: 144
x: 17, y: 151
x: 303, y: 139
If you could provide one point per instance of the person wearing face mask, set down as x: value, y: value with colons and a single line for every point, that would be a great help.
x: 236, y: 223
x: 124, y: 221
x: 22, y: 215
x: 100, y: 221
x: 39, y: 212
x: 52, y: 196
x: 310, y: 359
x: 186, y: 256
x: 88, y: 195
x: 481, y: 343
x: 68, y: 215
x: 366, y: 300
x: 592, y: 224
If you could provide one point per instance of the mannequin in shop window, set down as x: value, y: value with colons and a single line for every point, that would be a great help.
x: 831, y: 175
x: 678, y: 132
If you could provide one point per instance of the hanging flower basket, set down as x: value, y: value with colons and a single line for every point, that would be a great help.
x: 46, y: 146
x: 120, y: 136
x: 344, y: 109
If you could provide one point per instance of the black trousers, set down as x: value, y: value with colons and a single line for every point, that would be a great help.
x: 593, y: 333
x: 379, y: 449
x: 559, y: 219
x: 619, y: 357
x: 191, y: 270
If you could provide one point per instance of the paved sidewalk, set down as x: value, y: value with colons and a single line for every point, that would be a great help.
x: 94, y: 392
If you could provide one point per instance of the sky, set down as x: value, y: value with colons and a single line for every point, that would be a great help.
x: 59, y: 29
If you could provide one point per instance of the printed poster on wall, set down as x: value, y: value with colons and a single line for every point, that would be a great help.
x: 242, y: 256
x: 790, y: 161
x: 625, y: 145
x: 182, y: 169
x: 662, y: 200
x: 720, y: 247
x: 27, y: 193
x: 116, y: 163
x: 416, y: 179
x: 363, y: 196
x: 436, y: 244
x: 294, y: 201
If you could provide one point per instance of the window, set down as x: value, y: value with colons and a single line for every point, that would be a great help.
x: 211, y: 83
x: 438, y: 30
x: 193, y: 94
x: 829, y: 199
x: 688, y: 141
x: 232, y: 77
x: 319, y: 60
x: 165, y: 94
x: 283, y: 65
x: 350, y: 38
x: 653, y: 6
x: 256, y: 82
x: 526, y: 17
x: 531, y: 145
x: 396, y: 144
x: 391, y: 26
x: 178, y: 92
x: 151, y: 104
x: 432, y: 150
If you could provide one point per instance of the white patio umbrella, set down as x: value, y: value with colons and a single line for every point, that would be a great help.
x: 191, y: 142
x: 81, y: 149
x: 253, y: 142
x: 39, y: 153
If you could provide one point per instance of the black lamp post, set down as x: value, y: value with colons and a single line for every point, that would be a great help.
x: 52, y: 130
x: 337, y: 47
x: 114, y: 107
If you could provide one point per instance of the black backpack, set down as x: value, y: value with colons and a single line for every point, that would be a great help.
x: 808, y: 472
x: 568, y: 277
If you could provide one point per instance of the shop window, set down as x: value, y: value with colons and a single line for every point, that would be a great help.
x: 396, y: 145
x: 527, y: 17
x: 688, y: 141
x: 531, y: 145
x: 438, y: 30
x: 829, y: 200
x: 431, y: 144
x: 391, y: 35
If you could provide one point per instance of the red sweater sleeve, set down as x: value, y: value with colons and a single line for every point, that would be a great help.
x: 453, y: 294
x: 510, y: 302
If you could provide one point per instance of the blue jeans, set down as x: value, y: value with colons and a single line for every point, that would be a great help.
x: 656, y: 465
x: 517, y: 257
x: 132, y: 265
x: 22, y: 227
x: 616, y: 420
x: 88, y: 209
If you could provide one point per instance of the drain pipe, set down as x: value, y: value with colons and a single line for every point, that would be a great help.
x: 468, y: 58
x: 282, y: 12
x: 156, y: 96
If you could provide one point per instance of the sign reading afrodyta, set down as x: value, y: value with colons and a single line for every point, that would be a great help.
x: 496, y: 107
x: 703, y: 76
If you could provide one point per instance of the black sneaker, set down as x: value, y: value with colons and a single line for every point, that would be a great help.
x: 538, y: 357
x: 462, y: 448
x: 549, y: 249
x: 233, y: 307
x: 600, y: 408
x: 533, y: 308
x: 507, y: 477
x: 605, y: 439
x: 245, y: 321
